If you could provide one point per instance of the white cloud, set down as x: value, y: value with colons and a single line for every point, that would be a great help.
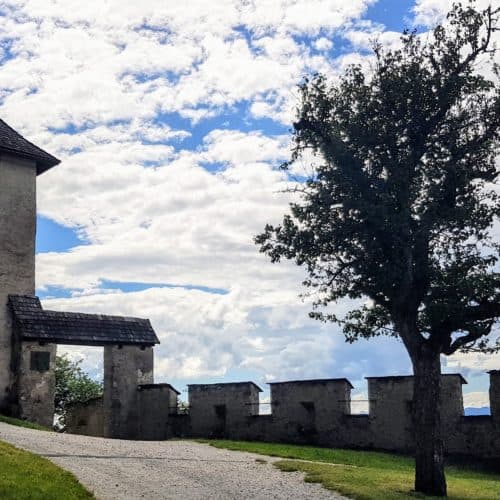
x: 364, y: 35
x: 359, y: 403
x: 266, y: 333
x: 323, y: 44
x: 206, y: 334
x: 473, y: 361
x: 102, y: 85
x: 190, y: 225
x: 476, y: 399
x: 431, y: 12
x: 239, y: 148
x: 91, y: 62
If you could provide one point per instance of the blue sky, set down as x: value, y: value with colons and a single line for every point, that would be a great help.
x: 170, y: 124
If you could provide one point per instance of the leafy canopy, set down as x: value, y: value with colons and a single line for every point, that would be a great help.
x: 401, y: 206
x: 73, y: 385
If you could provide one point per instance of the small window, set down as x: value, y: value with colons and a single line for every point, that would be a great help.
x: 40, y: 361
x: 310, y: 413
x: 309, y: 406
x: 220, y: 411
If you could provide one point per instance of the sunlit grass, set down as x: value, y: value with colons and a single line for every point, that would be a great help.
x: 25, y: 476
x: 368, y: 475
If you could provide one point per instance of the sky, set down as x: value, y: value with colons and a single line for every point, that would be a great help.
x: 170, y: 120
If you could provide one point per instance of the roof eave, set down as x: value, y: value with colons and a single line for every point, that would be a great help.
x: 43, y: 167
x: 84, y: 342
x: 42, y: 164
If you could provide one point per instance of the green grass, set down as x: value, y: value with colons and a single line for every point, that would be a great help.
x: 23, y: 423
x: 367, y: 474
x: 24, y: 476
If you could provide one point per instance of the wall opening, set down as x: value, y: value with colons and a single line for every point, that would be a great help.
x: 40, y: 361
x: 88, y: 360
x: 220, y: 426
x: 360, y: 404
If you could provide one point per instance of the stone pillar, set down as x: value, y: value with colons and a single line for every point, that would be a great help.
x: 37, y: 383
x: 17, y: 254
x: 222, y: 410
x: 390, y: 416
x: 125, y: 368
x: 391, y: 410
x: 495, y: 395
x: 156, y: 403
x: 311, y: 411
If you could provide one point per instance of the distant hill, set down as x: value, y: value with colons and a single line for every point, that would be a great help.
x: 483, y: 410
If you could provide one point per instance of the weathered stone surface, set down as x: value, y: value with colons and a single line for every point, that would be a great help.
x: 314, y: 412
x: 495, y: 395
x: 17, y: 254
x: 221, y: 410
x: 125, y: 368
x: 28, y: 333
x: 157, y: 402
x: 309, y: 410
x: 36, y: 385
x: 86, y: 418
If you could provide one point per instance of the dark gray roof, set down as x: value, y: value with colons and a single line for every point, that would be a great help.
x: 222, y: 385
x: 312, y: 381
x: 69, y: 328
x: 399, y: 377
x: 142, y: 387
x: 14, y: 143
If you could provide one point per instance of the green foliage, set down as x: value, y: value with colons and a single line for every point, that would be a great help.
x: 367, y: 475
x: 25, y: 476
x: 72, y: 386
x: 400, y: 209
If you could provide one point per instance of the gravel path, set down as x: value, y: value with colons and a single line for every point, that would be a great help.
x: 116, y: 469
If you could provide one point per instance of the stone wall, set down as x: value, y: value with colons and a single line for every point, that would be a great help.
x: 156, y: 403
x: 308, y: 410
x: 495, y: 394
x: 389, y: 424
x: 86, y: 418
x: 17, y: 255
x: 36, y: 383
x: 222, y: 410
x: 315, y: 412
x: 125, y: 368
x: 154, y: 416
x: 318, y: 412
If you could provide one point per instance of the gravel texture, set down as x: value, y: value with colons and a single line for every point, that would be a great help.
x: 117, y: 469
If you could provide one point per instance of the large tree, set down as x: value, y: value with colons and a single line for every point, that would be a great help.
x: 398, y: 214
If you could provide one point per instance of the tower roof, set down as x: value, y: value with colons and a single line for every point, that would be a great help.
x: 15, y: 144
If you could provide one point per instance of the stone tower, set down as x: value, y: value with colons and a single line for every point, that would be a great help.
x: 20, y: 163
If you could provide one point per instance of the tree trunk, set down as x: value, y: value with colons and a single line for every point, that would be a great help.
x: 429, y: 466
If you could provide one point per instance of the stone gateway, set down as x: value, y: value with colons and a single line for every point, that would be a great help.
x: 29, y: 334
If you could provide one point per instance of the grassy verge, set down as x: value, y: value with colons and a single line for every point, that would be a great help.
x: 24, y: 476
x: 368, y: 475
x: 23, y: 423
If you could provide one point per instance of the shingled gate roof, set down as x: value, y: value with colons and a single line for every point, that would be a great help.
x: 14, y: 143
x: 35, y: 323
